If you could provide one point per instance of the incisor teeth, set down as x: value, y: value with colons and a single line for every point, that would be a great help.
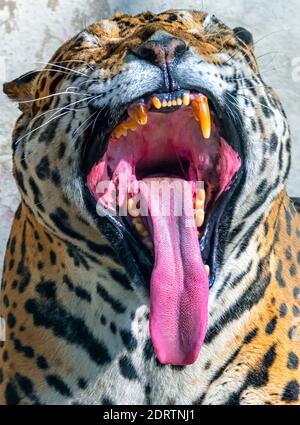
x: 156, y: 102
x: 165, y: 103
x: 202, y: 114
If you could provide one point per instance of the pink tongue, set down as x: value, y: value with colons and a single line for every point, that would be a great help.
x: 179, y: 285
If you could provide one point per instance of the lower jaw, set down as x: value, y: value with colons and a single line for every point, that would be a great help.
x: 179, y: 283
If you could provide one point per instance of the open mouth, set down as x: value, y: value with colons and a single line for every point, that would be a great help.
x: 175, y: 143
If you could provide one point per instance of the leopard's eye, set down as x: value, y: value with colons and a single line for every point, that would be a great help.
x: 87, y: 40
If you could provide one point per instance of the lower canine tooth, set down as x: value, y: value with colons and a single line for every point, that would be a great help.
x: 134, y: 213
x: 132, y: 209
x: 207, y: 268
x: 199, y: 217
x: 199, y: 204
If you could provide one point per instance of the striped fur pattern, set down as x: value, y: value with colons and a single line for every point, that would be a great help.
x: 77, y: 322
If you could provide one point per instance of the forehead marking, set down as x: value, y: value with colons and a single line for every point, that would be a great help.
x: 186, y: 15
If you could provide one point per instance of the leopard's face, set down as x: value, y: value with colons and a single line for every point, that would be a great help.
x: 169, y: 98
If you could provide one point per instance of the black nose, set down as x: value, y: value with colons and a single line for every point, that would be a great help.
x: 163, y: 53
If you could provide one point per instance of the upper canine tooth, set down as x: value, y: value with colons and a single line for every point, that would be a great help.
x: 140, y: 114
x: 186, y: 99
x: 156, y: 102
x: 207, y: 269
x: 202, y: 114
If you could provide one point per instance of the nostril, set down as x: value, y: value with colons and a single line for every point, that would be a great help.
x: 147, y: 54
x: 160, y: 53
x: 180, y: 49
x: 150, y: 51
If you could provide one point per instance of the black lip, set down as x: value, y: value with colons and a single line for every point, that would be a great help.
x: 133, y: 254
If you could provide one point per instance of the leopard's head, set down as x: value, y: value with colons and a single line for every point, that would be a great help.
x: 171, y: 108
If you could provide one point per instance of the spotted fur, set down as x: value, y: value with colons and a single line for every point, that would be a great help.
x: 77, y: 318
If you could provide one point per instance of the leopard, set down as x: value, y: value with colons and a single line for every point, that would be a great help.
x: 104, y: 308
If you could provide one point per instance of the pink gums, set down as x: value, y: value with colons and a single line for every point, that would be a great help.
x: 179, y: 283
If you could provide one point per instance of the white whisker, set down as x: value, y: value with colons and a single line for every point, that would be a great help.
x: 41, y: 126
x: 63, y: 107
x: 78, y: 61
x: 49, y: 96
x: 62, y: 67
x: 89, y: 118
